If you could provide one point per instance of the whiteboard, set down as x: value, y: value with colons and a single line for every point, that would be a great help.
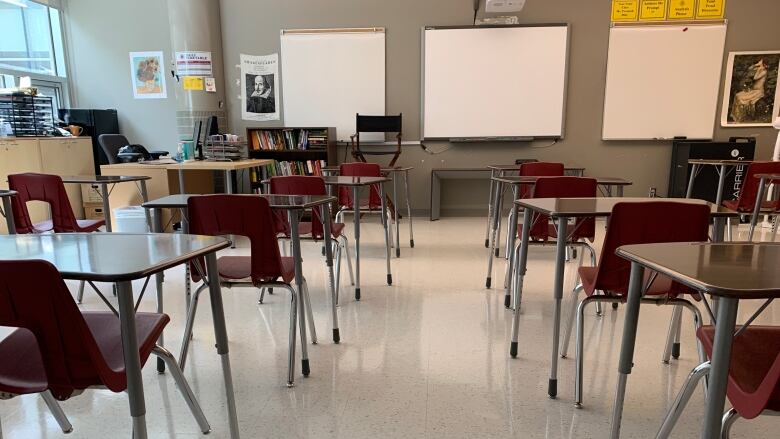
x: 663, y: 81
x: 506, y: 81
x: 329, y: 76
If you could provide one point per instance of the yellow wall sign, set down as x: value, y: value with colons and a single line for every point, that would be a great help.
x: 625, y: 10
x: 682, y: 9
x: 710, y: 9
x: 652, y: 10
x: 193, y: 82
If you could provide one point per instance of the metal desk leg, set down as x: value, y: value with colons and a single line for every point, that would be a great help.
x: 498, y: 212
x: 626, y: 361
x: 689, y: 191
x: 294, y: 217
x: 522, y: 262
x: 435, y: 196
x: 721, y: 356
x: 495, y: 219
x: 395, y: 215
x: 512, y: 238
x: 220, y: 333
x: 490, y: 208
x: 721, y: 183
x: 228, y: 182
x: 620, y: 191
x: 158, y: 279
x: 757, y: 208
x: 9, y: 217
x: 135, y: 383
x: 409, y: 209
x: 387, y: 232
x: 145, y: 197
x: 325, y: 214
x: 181, y: 182
x: 560, y: 265
x: 356, y: 224
x: 106, y: 206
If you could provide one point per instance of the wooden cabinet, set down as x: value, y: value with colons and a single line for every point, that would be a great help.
x: 17, y: 156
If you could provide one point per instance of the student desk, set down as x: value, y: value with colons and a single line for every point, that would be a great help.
x: 6, y: 195
x: 560, y: 210
x: 356, y: 183
x: 92, y: 257
x: 103, y: 181
x: 731, y: 272
x: 764, y: 181
x: 723, y: 167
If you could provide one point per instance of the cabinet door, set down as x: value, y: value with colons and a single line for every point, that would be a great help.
x: 67, y: 157
x: 17, y: 156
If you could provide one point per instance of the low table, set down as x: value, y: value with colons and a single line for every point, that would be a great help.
x: 103, y: 181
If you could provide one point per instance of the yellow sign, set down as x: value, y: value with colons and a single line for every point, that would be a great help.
x: 682, y: 9
x: 193, y: 82
x: 625, y: 10
x: 652, y: 10
x: 710, y: 9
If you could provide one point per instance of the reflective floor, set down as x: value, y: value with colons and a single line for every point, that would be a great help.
x: 424, y: 358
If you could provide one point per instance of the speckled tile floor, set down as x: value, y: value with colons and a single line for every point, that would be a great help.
x: 424, y: 358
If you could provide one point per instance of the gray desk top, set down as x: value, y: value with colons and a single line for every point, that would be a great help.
x: 109, y: 257
x: 516, y: 167
x: 335, y: 169
x: 97, y: 179
x: 587, y: 207
x: 354, y: 181
x: 6, y: 193
x: 528, y: 180
x: 718, y: 162
x: 281, y: 202
x: 738, y: 270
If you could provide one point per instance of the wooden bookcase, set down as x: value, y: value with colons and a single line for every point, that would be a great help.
x: 327, y: 152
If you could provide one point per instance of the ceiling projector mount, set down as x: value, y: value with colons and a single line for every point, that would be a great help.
x: 504, y: 5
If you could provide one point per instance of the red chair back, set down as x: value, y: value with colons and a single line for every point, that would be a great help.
x: 749, y: 190
x: 299, y: 185
x: 46, y: 188
x: 33, y: 296
x: 243, y: 215
x: 360, y: 169
x: 646, y: 223
x: 538, y: 169
x: 564, y: 187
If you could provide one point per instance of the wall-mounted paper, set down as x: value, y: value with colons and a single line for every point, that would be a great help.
x: 193, y: 82
x: 259, y: 82
x: 193, y: 63
x: 751, y: 97
x: 211, y: 85
x: 146, y: 72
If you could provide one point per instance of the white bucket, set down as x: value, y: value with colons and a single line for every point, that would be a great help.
x: 130, y: 219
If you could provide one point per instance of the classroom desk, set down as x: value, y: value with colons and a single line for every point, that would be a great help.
x: 92, y: 257
x: 764, y: 181
x: 560, y: 210
x: 515, y: 182
x: 103, y: 181
x: 722, y: 168
x: 356, y: 183
x: 391, y: 171
x: 228, y: 167
x: 731, y: 272
x: 8, y: 212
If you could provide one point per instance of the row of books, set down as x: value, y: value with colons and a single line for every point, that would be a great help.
x: 282, y: 168
x: 291, y: 139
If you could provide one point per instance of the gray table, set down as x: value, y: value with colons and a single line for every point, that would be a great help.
x: 722, y: 166
x: 93, y: 257
x: 560, y: 210
x: 356, y: 183
x: 731, y: 272
x: 6, y: 195
x: 295, y: 205
x: 103, y: 181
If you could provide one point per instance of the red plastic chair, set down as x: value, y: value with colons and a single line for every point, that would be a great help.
x: 746, y: 201
x: 360, y: 169
x: 26, y: 375
x: 639, y: 223
x: 538, y: 169
x: 302, y: 185
x: 49, y: 189
x: 78, y: 350
x: 251, y: 217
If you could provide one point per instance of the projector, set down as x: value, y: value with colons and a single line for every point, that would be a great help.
x: 504, y: 5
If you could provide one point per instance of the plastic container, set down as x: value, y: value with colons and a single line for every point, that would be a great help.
x: 130, y: 219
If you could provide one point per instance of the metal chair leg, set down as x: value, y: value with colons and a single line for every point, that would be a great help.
x: 337, y: 254
x: 184, y: 388
x: 674, y: 324
x: 262, y: 295
x: 570, y: 321
x: 677, y: 407
x: 728, y: 421
x: 349, y: 260
x: 309, y: 313
x: 185, y: 344
x: 80, y: 295
x: 578, y: 354
x: 56, y: 411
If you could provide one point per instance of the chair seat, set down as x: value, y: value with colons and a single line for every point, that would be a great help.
x: 85, y: 226
x: 754, y: 372
x: 661, y: 286
x: 239, y: 269
x: 766, y: 206
x: 25, y: 374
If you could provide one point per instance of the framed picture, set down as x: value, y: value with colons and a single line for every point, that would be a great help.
x: 147, y: 73
x: 751, y: 97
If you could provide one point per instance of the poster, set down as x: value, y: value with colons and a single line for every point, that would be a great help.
x: 147, y: 74
x: 193, y: 83
x: 193, y: 63
x: 625, y: 10
x: 652, y: 10
x: 259, y: 87
x: 750, y: 96
x: 211, y: 85
x: 682, y: 9
x: 710, y: 9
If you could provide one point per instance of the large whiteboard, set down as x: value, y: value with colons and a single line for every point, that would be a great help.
x: 507, y: 81
x: 663, y: 81
x: 330, y: 75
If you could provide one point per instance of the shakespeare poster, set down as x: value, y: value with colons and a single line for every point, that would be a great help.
x: 147, y: 73
x: 259, y: 87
